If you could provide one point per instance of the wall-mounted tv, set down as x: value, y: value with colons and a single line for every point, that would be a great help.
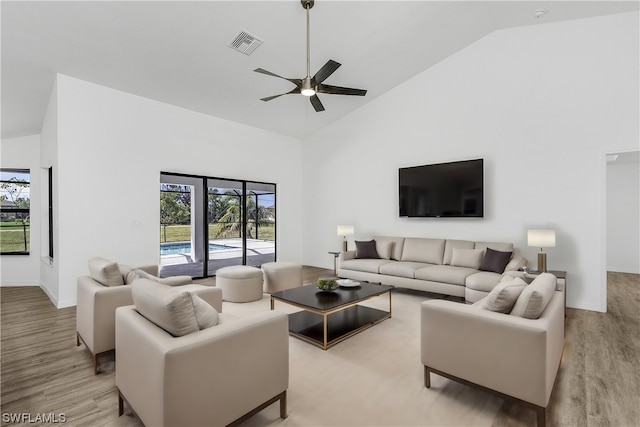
x: 441, y: 190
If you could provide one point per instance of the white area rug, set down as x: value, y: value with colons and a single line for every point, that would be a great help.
x: 374, y: 378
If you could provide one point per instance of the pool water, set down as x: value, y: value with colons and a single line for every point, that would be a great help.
x: 185, y: 248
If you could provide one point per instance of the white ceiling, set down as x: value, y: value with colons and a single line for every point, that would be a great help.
x: 177, y: 52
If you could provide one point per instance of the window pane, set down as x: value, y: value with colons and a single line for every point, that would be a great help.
x: 15, y: 201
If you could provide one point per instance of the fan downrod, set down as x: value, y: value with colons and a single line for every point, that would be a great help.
x: 307, y: 3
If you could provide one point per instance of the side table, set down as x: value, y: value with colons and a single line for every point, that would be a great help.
x: 335, y: 262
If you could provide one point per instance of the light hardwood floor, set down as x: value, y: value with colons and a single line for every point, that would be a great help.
x: 44, y: 372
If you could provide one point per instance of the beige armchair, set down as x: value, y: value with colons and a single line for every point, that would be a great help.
x: 97, y: 301
x: 513, y: 357
x: 217, y: 376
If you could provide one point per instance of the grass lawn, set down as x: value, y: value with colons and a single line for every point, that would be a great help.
x: 12, y: 239
x: 182, y: 233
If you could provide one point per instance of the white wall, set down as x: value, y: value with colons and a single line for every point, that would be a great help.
x: 24, y: 153
x: 623, y: 217
x: 539, y: 103
x: 112, y: 147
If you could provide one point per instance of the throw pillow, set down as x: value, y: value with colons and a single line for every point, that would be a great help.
x: 138, y: 274
x: 167, y: 307
x: 535, y: 297
x: 206, y: 316
x: 366, y: 249
x: 105, y: 272
x: 384, y: 249
x: 470, y: 258
x: 502, y: 298
x: 495, y: 261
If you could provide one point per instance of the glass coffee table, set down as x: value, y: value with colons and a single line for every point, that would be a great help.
x: 328, y: 318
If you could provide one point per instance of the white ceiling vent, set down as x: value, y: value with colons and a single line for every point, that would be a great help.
x: 245, y: 42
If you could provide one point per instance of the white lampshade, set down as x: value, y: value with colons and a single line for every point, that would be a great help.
x: 541, y: 238
x: 345, y: 230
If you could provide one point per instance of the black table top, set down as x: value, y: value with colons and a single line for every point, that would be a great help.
x: 312, y: 297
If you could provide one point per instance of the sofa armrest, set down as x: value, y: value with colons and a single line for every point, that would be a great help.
x: 210, y: 377
x: 96, y: 312
x: 512, y: 355
x: 175, y: 280
x: 344, y: 256
x: 516, y: 263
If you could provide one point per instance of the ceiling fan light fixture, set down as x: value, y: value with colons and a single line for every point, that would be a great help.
x: 306, y: 88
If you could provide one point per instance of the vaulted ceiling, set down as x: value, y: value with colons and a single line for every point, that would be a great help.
x: 178, y: 52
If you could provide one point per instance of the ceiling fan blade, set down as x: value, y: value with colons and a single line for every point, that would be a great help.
x: 326, y: 70
x: 337, y: 90
x: 315, y: 101
x: 269, y: 98
x: 297, y: 82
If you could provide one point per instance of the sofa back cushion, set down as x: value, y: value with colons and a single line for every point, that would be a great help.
x: 459, y: 244
x: 535, y: 297
x: 470, y: 258
x: 179, y: 312
x: 502, y: 298
x: 389, y: 247
x: 496, y: 246
x: 423, y: 250
x: 105, y: 272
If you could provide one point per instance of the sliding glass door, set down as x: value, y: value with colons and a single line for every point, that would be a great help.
x: 231, y: 222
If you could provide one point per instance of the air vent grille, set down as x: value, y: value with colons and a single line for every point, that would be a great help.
x: 245, y: 42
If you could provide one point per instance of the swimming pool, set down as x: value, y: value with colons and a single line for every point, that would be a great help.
x: 185, y: 248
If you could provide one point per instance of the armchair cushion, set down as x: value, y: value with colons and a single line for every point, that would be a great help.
x: 105, y: 272
x: 206, y: 315
x: 502, y: 298
x: 138, y: 273
x: 535, y: 297
x: 170, y: 309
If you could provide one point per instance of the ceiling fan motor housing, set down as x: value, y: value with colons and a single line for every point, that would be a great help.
x: 307, y: 3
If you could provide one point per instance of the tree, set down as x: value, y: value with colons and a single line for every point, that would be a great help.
x: 13, y: 189
x: 175, y: 206
x: 232, y: 218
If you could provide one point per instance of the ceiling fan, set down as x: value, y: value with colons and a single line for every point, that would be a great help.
x: 311, y: 86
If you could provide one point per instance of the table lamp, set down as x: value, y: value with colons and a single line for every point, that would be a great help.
x: 344, y: 231
x: 541, y: 239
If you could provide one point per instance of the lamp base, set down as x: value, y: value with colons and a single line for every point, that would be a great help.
x: 542, y: 262
x: 344, y: 246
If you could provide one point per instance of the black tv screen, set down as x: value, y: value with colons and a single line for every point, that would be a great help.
x: 442, y: 190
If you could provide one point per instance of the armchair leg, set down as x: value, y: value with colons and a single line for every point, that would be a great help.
x: 95, y: 364
x: 541, y: 416
x: 427, y: 377
x: 120, y: 404
x: 283, y: 405
x: 77, y: 339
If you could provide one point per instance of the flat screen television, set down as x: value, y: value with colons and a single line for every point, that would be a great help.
x: 443, y: 190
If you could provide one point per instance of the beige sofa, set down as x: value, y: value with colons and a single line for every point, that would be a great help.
x: 216, y: 376
x: 100, y: 293
x: 514, y: 357
x: 444, y: 266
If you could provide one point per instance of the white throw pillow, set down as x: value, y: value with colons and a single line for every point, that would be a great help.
x: 535, y: 297
x: 502, y: 298
x: 471, y: 258
x: 105, y: 272
x: 206, y: 315
x: 169, y: 308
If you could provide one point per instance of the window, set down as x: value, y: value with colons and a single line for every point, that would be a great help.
x: 15, y: 201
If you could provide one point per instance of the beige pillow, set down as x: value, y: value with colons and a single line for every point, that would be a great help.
x: 471, y: 258
x: 206, y: 315
x: 384, y: 248
x: 169, y: 308
x: 105, y: 272
x: 535, y: 297
x: 502, y: 298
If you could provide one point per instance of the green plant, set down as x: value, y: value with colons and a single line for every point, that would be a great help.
x: 326, y: 284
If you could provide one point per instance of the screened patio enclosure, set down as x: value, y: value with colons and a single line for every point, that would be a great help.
x: 209, y: 223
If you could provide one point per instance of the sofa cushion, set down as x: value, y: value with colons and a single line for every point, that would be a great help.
x: 167, y: 307
x: 496, y: 246
x: 395, y: 250
x: 402, y: 268
x: 105, y: 272
x: 206, y: 315
x: 445, y: 274
x: 483, y: 281
x: 460, y: 244
x: 365, y: 265
x: 384, y: 248
x: 495, y: 261
x: 503, y: 297
x: 426, y: 250
x: 169, y: 281
x: 366, y: 249
x: 535, y: 297
x: 471, y: 258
